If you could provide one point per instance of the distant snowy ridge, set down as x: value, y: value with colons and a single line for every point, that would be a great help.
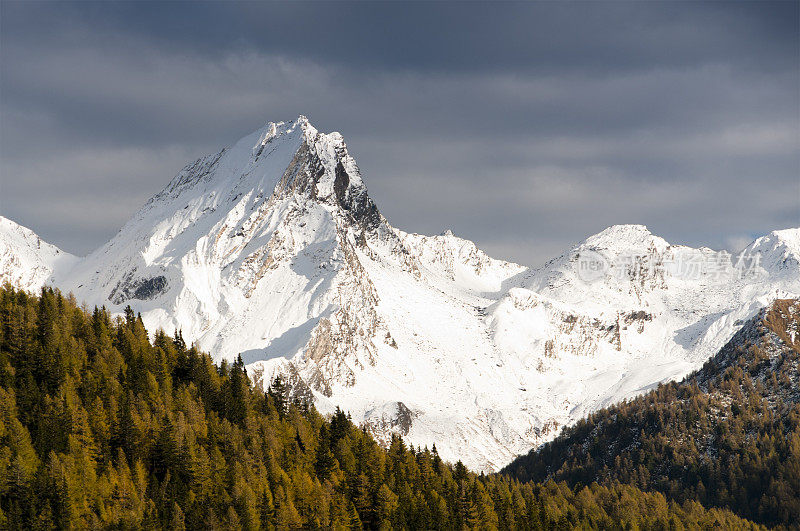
x: 274, y: 250
x: 28, y: 262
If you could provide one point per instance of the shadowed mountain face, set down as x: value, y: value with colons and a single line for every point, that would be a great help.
x: 728, y: 435
x: 273, y: 249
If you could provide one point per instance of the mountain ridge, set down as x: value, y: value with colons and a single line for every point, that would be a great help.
x: 273, y: 250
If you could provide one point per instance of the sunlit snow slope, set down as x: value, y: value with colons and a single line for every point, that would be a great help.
x: 272, y: 249
x: 28, y: 262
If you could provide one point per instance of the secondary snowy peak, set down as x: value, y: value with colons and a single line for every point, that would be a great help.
x: 779, y: 251
x: 627, y: 265
x: 27, y: 261
x: 620, y: 238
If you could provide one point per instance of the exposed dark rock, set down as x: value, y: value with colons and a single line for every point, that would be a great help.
x: 641, y: 315
x: 150, y: 288
x: 141, y: 288
x: 404, y: 418
x: 355, y: 201
x: 340, y: 184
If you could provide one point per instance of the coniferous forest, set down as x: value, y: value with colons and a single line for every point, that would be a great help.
x: 104, y: 427
x: 727, y: 436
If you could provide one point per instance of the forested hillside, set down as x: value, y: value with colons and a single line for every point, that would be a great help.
x: 727, y: 436
x: 102, y: 428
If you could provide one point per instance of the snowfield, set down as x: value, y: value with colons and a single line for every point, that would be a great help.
x: 26, y: 261
x: 273, y: 249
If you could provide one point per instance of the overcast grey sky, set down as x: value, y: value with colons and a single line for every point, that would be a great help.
x: 522, y: 126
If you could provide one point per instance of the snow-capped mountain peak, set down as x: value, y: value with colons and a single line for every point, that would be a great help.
x: 279, y: 158
x: 779, y: 250
x: 623, y: 238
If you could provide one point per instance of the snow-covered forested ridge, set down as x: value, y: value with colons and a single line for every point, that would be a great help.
x: 727, y: 435
x: 273, y: 249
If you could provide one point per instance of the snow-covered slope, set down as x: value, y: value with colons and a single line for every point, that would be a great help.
x: 26, y: 261
x: 272, y: 249
x: 656, y: 312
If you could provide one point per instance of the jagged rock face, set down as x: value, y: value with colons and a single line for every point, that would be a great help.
x: 273, y: 249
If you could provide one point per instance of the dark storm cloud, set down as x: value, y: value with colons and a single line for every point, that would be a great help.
x: 523, y: 126
x: 447, y: 36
